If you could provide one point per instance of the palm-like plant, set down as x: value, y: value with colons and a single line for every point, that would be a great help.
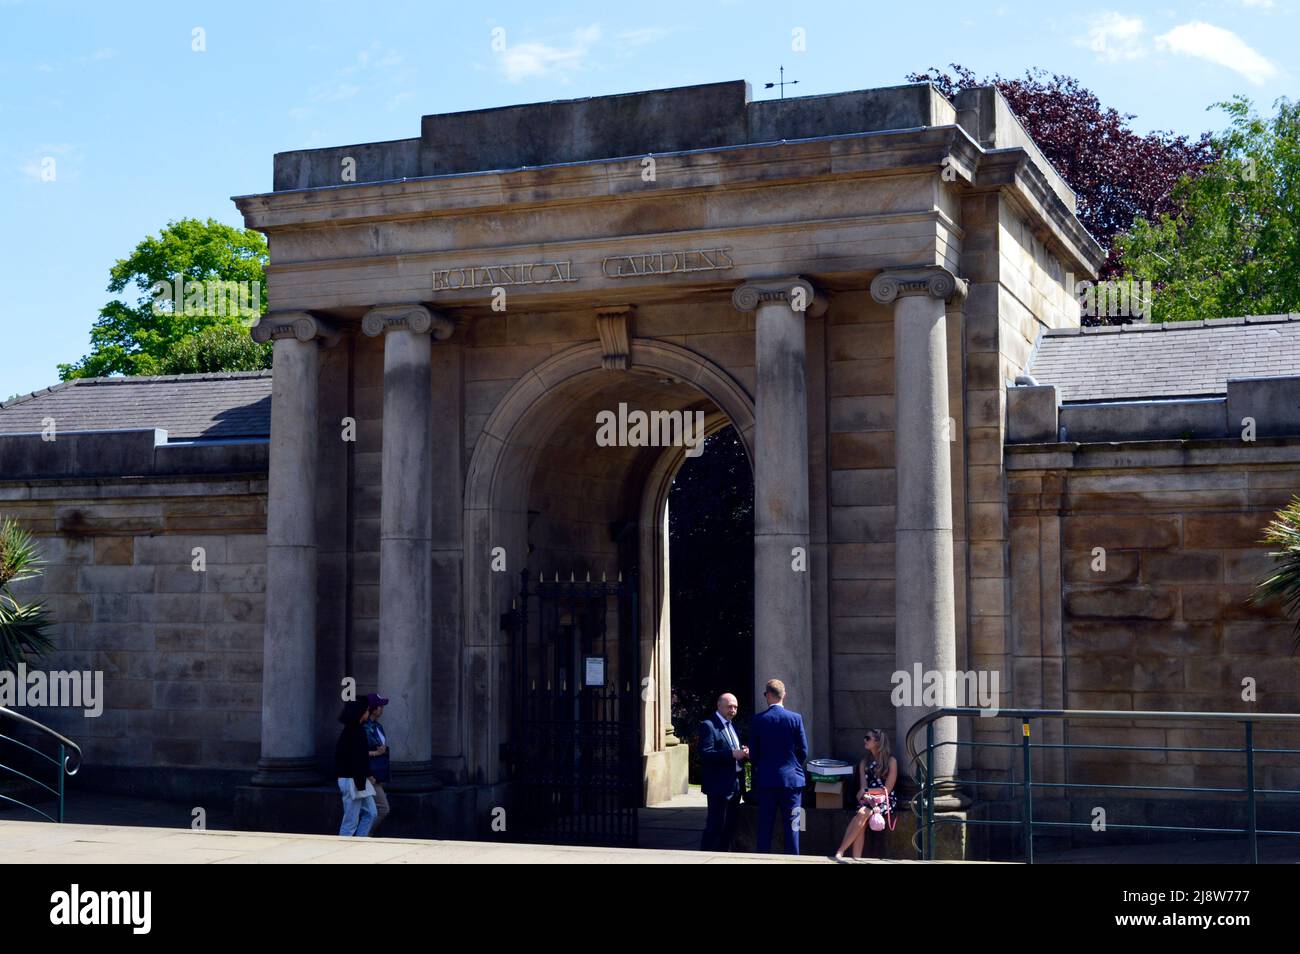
x: 1284, y: 582
x: 24, y: 627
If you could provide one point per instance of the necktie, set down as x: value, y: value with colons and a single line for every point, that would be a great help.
x: 732, y: 738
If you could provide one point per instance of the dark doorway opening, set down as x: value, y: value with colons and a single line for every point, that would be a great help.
x: 711, y: 581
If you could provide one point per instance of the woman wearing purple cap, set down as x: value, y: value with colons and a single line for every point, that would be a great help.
x: 378, y: 750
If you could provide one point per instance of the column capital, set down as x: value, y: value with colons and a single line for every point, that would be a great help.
x: 933, y: 280
x: 796, y: 291
x: 302, y: 325
x: 413, y: 318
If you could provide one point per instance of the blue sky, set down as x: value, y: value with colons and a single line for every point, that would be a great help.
x: 143, y: 128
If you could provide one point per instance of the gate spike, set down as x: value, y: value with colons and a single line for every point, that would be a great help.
x: 557, y: 576
x: 603, y: 577
x: 571, y: 579
x: 588, y: 576
x: 620, y: 576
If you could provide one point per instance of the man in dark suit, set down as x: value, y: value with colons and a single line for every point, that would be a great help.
x: 722, y: 773
x: 778, y: 748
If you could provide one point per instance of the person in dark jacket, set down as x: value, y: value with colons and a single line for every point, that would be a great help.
x: 379, y: 761
x: 722, y: 774
x: 352, y: 766
x: 779, y: 748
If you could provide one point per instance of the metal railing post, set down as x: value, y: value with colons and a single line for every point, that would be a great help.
x: 1250, y: 793
x: 62, y: 755
x: 929, y: 789
x: 1028, y: 822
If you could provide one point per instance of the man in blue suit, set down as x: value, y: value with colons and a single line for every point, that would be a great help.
x: 722, y: 772
x: 778, y: 748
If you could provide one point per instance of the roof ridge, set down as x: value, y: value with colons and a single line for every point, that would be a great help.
x: 1144, y: 327
x: 136, y: 379
x: 161, y: 378
x: 23, y: 398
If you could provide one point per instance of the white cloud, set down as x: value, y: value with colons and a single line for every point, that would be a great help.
x: 1204, y: 41
x: 405, y: 96
x: 335, y: 92
x: 541, y: 60
x: 1114, y: 37
x: 375, y: 72
x: 376, y: 58
x: 1259, y: 4
x: 643, y: 35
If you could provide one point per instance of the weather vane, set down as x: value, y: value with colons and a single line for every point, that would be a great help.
x: 781, y: 85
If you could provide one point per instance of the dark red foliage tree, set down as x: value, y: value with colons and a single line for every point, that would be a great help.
x: 1116, y: 173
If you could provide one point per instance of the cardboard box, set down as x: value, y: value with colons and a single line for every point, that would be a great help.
x: 829, y: 794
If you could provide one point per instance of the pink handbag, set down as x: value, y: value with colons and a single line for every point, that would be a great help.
x: 877, y: 801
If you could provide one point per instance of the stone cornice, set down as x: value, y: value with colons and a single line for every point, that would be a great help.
x: 908, y: 150
x: 933, y: 280
x: 796, y: 291
x: 619, y: 180
x: 413, y: 318
x: 302, y: 325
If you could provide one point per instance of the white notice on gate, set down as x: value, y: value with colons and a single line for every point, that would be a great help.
x: 595, y: 671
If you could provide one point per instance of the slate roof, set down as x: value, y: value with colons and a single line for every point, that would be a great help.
x: 228, y: 406
x: 1166, y: 360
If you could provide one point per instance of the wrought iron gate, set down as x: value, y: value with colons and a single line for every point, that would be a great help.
x: 576, y: 752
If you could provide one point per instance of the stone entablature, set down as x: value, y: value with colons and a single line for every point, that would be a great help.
x: 892, y: 188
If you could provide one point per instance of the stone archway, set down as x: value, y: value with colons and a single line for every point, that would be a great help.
x: 516, y: 439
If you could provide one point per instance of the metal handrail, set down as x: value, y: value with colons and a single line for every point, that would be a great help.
x: 923, y: 802
x: 67, y: 764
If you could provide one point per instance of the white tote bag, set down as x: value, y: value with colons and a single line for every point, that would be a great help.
x: 352, y: 792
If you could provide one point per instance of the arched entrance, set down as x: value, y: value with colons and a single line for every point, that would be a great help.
x: 544, y: 495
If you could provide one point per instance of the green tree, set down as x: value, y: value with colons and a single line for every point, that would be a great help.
x: 213, y: 261
x: 1233, y: 246
x: 222, y: 347
x: 24, y: 626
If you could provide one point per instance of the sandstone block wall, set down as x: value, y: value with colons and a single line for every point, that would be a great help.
x: 1132, y: 578
x: 180, y: 650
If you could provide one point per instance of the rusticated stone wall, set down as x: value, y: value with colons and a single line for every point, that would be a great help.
x: 180, y: 649
x: 1133, y: 568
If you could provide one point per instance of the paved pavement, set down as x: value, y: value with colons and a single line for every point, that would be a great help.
x: 670, y: 834
x: 44, y: 843
x: 116, y: 829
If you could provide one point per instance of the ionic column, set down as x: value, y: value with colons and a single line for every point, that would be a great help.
x: 924, y: 602
x: 405, y: 538
x: 782, y: 593
x: 289, y: 647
